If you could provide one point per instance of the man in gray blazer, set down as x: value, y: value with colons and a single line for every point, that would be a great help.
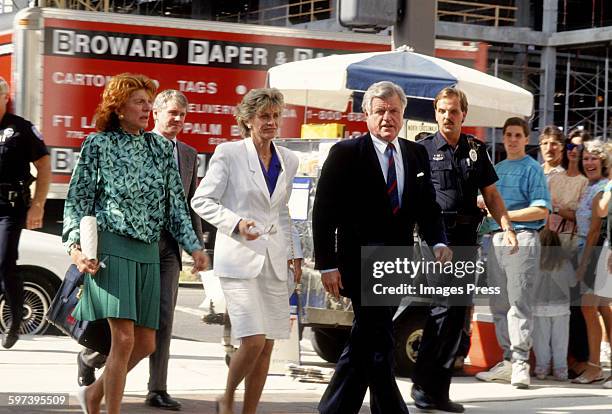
x: 169, y: 111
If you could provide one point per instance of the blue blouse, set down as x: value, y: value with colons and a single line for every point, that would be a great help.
x: 271, y: 175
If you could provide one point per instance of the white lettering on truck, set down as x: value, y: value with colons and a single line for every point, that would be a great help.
x: 80, y: 79
x: 201, y: 52
x: 202, y: 129
x: 197, y: 86
x: 68, y: 42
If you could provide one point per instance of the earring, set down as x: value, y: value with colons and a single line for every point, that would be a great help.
x: 121, y: 116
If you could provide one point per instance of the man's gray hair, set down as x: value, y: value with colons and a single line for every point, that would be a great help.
x: 382, y: 90
x: 169, y: 95
x: 4, y: 86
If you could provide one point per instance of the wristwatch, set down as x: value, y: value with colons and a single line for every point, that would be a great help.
x: 72, y: 247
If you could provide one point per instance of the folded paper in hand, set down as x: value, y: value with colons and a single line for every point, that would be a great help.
x: 89, y: 236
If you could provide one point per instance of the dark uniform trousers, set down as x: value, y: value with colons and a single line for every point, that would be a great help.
x: 20, y: 144
x: 367, y: 361
x: 170, y: 267
x: 12, y: 221
x: 444, y: 336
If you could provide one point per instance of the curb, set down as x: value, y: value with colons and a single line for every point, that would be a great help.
x: 191, y: 285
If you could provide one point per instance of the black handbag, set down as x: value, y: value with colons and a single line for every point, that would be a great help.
x: 91, y: 334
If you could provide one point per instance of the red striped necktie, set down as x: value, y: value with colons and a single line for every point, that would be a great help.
x: 392, y: 191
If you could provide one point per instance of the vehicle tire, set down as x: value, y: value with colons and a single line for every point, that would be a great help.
x: 39, y: 288
x: 408, y: 333
x: 328, y: 343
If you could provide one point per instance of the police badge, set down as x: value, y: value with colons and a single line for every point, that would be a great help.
x: 6, y: 134
x: 473, y: 155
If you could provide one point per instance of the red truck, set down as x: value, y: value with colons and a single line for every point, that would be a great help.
x: 63, y: 59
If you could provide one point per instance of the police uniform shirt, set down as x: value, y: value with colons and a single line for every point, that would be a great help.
x: 456, y: 176
x: 20, y: 144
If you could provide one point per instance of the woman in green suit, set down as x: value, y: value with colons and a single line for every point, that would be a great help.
x: 128, y: 180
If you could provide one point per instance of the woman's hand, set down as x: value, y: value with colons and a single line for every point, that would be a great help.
x: 84, y: 264
x: 200, y: 261
x: 246, y: 228
x: 296, y: 266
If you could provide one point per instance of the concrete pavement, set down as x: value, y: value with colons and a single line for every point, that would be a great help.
x: 47, y: 364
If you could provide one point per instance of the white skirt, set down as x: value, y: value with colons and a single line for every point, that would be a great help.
x: 258, y: 306
x: 603, y: 278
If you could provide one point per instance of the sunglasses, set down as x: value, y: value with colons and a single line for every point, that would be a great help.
x: 271, y: 229
x: 571, y: 146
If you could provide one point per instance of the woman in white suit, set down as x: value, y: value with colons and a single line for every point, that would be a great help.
x: 244, y: 194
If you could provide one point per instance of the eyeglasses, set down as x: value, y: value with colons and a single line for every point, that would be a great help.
x: 271, y: 229
x: 571, y: 146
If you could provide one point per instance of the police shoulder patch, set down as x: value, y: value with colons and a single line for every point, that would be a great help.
x: 37, y: 133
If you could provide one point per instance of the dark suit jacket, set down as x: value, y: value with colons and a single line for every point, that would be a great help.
x: 188, y: 170
x: 352, y: 208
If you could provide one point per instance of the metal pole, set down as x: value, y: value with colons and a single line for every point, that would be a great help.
x: 306, y: 108
x: 605, y: 124
x: 495, y: 71
x: 568, y: 68
x: 417, y: 26
x: 596, y: 100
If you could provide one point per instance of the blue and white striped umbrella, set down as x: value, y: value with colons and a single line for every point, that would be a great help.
x: 330, y: 82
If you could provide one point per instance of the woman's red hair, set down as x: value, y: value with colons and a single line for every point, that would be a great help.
x: 116, y: 93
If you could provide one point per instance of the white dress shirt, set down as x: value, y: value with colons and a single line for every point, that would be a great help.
x: 381, y: 146
x: 175, y: 149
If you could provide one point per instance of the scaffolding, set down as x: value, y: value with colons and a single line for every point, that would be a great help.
x: 301, y: 11
x: 476, y: 12
x: 570, y: 83
x: 304, y: 11
x: 148, y: 7
x: 87, y: 5
x: 587, y: 86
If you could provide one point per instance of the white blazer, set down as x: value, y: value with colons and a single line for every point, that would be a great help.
x: 234, y: 188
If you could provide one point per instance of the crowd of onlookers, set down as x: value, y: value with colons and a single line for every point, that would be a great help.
x: 578, y: 173
x: 572, y: 290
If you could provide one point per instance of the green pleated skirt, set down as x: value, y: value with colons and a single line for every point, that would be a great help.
x: 128, y: 288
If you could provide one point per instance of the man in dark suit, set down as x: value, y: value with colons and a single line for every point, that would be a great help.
x: 169, y: 111
x: 372, y: 191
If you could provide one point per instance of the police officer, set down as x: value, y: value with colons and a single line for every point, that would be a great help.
x: 20, y: 144
x: 460, y: 167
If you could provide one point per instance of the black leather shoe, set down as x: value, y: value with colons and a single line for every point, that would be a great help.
x: 426, y: 402
x: 87, y: 374
x: 161, y: 399
x: 10, y: 339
